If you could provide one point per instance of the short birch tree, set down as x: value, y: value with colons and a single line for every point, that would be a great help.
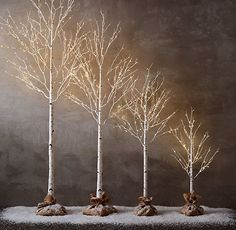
x: 106, y: 71
x: 143, y: 115
x: 45, y: 57
x: 195, y: 155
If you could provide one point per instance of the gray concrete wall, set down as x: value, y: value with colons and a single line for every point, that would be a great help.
x: 193, y: 43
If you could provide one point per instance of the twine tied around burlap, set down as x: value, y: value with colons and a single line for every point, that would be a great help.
x: 192, y: 208
x: 143, y: 201
x: 191, y: 198
x: 48, y: 200
x: 144, y: 207
x: 49, y: 207
x: 96, y: 201
x: 99, y: 206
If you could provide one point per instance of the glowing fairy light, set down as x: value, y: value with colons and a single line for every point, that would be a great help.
x: 196, y: 155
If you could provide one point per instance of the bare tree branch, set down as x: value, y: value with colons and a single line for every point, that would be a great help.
x: 31, y: 45
x: 105, y: 75
x: 196, y: 154
x: 143, y: 108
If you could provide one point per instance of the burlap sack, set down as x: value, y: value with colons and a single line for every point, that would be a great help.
x: 192, y: 208
x: 145, y: 208
x: 49, y: 207
x: 99, y: 206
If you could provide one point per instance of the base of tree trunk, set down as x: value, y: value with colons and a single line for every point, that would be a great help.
x: 99, y: 206
x: 51, y: 210
x: 100, y: 210
x: 145, y: 208
x: 49, y: 207
x: 192, y: 208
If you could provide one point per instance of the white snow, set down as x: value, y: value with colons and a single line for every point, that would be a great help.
x: 167, y: 216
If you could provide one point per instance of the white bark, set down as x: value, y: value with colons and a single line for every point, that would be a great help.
x: 145, y: 162
x: 99, y: 163
x: 145, y: 150
x: 99, y: 188
x: 191, y: 161
x: 51, y: 151
x: 191, y: 179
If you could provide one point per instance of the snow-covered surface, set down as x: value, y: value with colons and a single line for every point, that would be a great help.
x: 167, y: 216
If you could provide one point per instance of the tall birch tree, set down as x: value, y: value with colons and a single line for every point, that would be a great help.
x: 195, y: 155
x: 143, y: 115
x: 107, y: 71
x: 45, y: 57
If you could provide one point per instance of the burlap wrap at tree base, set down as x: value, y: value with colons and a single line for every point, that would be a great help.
x: 49, y: 207
x: 145, y: 208
x: 192, y: 208
x: 99, y: 206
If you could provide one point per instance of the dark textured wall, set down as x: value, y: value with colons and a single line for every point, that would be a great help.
x: 193, y: 43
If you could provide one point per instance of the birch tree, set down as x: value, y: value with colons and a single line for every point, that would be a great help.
x: 195, y: 155
x: 143, y: 115
x: 106, y: 71
x: 45, y: 57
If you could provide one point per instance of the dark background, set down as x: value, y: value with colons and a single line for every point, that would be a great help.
x: 192, y: 42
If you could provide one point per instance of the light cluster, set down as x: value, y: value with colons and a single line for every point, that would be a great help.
x: 195, y: 155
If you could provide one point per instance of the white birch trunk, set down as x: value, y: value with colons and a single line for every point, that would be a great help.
x: 191, y: 181
x: 99, y: 161
x: 145, y: 160
x: 191, y: 164
x: 51, y: 174
x: 191, y: 174
x: 51, y: 156
x: 99, y: 150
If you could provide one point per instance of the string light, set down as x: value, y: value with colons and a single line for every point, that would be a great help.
x: 196, y: 153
